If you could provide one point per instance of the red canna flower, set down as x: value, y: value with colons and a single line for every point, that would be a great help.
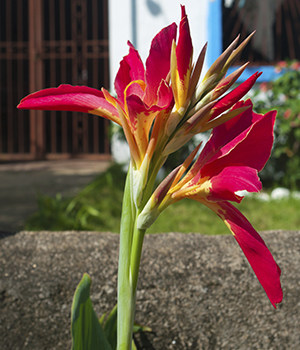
x: 236, y: 151
x: 155, y: 102
x: 141, y: 94
x: 160, y: 107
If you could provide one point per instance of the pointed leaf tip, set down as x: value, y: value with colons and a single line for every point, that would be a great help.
x: 87, y: 332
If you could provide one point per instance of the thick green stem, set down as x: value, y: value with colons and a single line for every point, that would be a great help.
x: 136, y: 252
x: 125, y: 297
x: 131, y: 241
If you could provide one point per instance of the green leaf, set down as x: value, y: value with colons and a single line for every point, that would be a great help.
x: 110, y: 327
x: 87, y: 333
x: 140, y: 328
x: 133, y: 347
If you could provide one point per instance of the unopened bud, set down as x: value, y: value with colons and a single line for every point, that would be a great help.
x: 154, y: 205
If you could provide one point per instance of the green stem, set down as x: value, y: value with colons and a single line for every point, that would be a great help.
x: 136, y: 252
x: 131, y: 241
x: 125, y: 297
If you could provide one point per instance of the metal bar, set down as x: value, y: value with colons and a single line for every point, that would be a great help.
x: 105, y: 19
x: 1, y: 111
x: 296, y: 24
x: 106, y: 71
x: 84, y: 73
x: 9, y: 82
x: 289, y: 30
x: 63, y: 62
x: 20, y: 74
x: 16, y: 156
x: 32, y: 73
x: 2, y: 100
x: 52, y: 156
x: 37, y: 147
x: 106, y: 139
x: 264, y: 46
x: 95, y: 74
x: 278, y: 33
x: 74, y: 75
x: 53, y: 115
x: 39, y: 78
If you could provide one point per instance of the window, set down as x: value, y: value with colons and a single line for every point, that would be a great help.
x: 277, y: 25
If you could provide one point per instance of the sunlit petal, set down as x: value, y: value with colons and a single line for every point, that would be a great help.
x: 71, y: 98
x: 254, y: 248
x: 131, y: 69
x: 158, y: 62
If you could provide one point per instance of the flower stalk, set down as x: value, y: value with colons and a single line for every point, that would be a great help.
x: 131, y: 243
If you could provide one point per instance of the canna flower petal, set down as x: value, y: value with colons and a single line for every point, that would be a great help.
x: 141, y: 120
x: 232, y: 179
x: 197, y: 71
x: 227, y: 82
x: 254, y: 248
x: 181, y: 62
x: 246, y: 128
x: 140, y: 115
x: 245, y: 140
x: 155, y: 205
x: 184, y: 49
x: 236, y: 52
x: 71, y: 98
x: 164, y: 97
x: 158, y: 62
x: 131, y: 69
x: 234, y: 96
x: 218, y: 65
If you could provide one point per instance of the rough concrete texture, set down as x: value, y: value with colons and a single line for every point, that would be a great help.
x: 195, y: 292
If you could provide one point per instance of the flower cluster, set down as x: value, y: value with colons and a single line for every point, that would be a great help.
x: 160, y: 107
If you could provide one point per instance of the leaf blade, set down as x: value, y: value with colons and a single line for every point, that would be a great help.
x: 87, y: 333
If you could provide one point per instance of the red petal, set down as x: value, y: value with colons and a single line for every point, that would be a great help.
x: 131, y: 68
x: 244, y: 140
x: 165, y: 97
x: 232, y: 179
x: 158, y: 62
x: 70, y: 98
x: 184, y: 49
x: 135, y: 89
x: 254, y: 248
x: 141, y: 119
x: 135, y: 107
x: 235, y: 95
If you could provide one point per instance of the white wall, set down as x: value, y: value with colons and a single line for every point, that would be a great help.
x: 142, y: 19
x: 147, y: 18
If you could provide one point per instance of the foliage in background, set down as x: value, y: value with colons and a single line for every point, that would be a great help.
x: 283, y: 94
x: 98, y: 206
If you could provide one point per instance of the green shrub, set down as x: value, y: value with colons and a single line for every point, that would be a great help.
x: 283, y: 94
x: 97, y: 206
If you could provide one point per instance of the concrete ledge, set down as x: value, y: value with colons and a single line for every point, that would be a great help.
x: 195, y: 292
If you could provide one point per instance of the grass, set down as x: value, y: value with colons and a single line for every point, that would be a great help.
x: 189, y: 216
x: 98, y: 208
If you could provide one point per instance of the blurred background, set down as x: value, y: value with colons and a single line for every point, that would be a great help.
x: 50, y: 161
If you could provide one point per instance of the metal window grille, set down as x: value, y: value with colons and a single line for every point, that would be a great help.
x: 277, y: 25
x: 44, y: 43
